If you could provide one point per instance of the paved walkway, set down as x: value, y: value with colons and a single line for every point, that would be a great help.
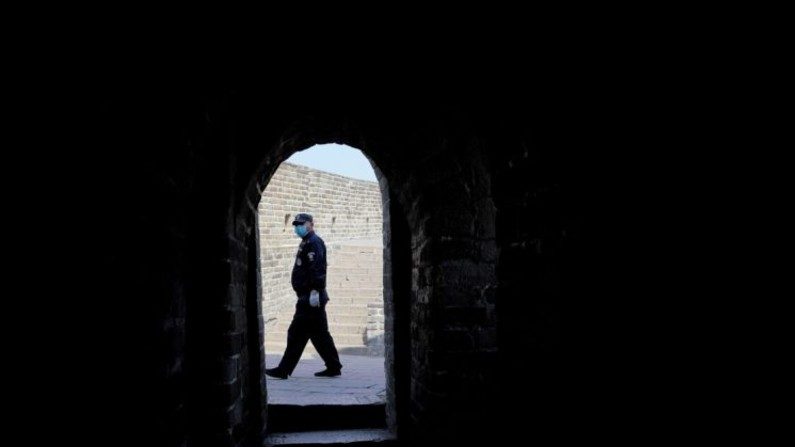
x: 362, y: 382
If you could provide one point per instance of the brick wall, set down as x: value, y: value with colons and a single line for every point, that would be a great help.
x: 483, y: 236
x: 344, y: 209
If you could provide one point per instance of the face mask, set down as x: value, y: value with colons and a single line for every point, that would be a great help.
x: 301, y: 230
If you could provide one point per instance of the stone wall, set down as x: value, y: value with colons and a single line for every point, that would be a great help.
x: 344, y: 210
x: 484, y: 235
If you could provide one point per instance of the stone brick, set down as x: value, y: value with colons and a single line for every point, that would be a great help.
x: 465, y: 315
x: 345, y: 211
x: 486, y: 232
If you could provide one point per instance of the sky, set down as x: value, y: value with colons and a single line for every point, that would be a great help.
x: 335, y: 158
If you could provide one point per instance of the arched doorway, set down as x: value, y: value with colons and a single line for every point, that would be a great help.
x: 394, y: 339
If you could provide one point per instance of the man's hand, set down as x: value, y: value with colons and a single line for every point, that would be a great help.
x: 314, y: 298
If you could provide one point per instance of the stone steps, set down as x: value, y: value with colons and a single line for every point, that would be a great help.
x: 356, y: 339
x: 333, y: 319
x: 347, y: 325
x: 349, y: 289
x: 365, y: 292
x: 363, y: 437
x: 354, y: 283
x: 290, y: 418
x: 335, y: 328
x: 359, y: 319
x: 339, y: 305
x: 335, y: 307
x: 277, y: 347
x: 349, y: 301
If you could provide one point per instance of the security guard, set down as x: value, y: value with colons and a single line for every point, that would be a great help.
x: 309, y: 321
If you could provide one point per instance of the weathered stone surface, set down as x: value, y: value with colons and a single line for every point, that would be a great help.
x: 483, y: 230
x: 341, y: 437
x: 348, y: 216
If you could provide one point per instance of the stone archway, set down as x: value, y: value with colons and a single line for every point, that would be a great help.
x: 441, y: 240
x: 186, y: 163
x: 396, y: 329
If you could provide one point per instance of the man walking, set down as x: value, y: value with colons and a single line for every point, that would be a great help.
x: 309, y: 321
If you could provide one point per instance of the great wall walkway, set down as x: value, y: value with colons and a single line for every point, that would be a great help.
x: 355, y: 310
x: 355, y: 316
x: 362, y: 382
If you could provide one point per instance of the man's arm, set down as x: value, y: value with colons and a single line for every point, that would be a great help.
x: 316, y: 255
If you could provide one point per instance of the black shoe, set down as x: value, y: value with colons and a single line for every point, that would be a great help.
x: 276, y: 372
x: 328, y: 373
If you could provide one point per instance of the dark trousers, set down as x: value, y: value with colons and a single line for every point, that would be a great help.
x: 309, y: 323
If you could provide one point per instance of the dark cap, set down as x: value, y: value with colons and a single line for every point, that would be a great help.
x: 302, y: 218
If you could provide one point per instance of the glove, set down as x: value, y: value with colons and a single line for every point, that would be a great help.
x: 314, y: 298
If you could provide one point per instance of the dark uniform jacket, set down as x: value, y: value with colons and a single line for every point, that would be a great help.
x: 309, y: 270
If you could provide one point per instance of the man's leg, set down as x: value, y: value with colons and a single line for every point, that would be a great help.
x: 324, y: 344
x: 297, y: 336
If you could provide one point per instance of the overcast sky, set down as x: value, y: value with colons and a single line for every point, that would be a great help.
x: 335, y: 158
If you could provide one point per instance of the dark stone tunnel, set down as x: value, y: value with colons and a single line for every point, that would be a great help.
x: 488, y: 219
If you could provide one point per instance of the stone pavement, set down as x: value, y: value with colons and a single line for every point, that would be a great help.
x: 362, y: 382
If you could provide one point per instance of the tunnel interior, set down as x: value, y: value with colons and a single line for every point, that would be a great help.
x: 485, y: 215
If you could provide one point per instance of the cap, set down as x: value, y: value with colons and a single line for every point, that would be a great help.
x: 302, y: 218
